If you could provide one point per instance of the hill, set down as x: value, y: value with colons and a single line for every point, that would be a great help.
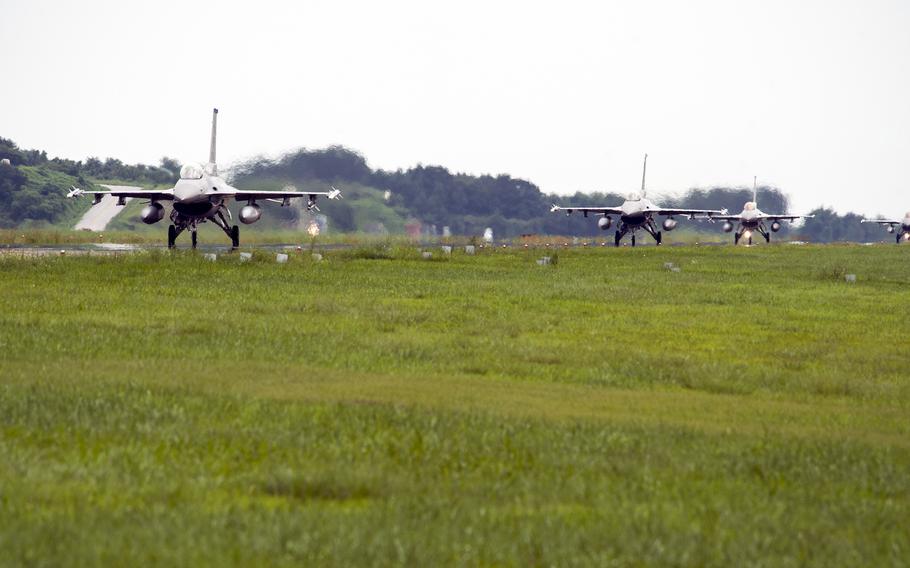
x: 33, y: 187
x: 425, y: 198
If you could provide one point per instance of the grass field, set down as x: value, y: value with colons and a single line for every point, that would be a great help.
x: 378, y: 408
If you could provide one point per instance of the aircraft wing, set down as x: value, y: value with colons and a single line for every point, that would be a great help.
x: 251, y: 194
x: 586, y: 210
x: 154, y: 194
x: 882, y: 221
x: 786, y: 217
x: 691, y: 213
x: 731, y: 218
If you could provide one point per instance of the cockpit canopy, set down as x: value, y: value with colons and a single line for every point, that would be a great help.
x: 634, y: 196
x: 749, y: 206
x: 191, y: 171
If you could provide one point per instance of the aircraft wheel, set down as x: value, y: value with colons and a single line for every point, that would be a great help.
x: 750, y: 241
x: 235, y: 236
x: 171, y: 236
x: 633, y: 239
x: 768, y: 238
x: 618, y: 238
x: 659, y: 237
x: 193, y: 235
x: 735, y: 238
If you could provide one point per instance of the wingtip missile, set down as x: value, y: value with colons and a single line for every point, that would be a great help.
x: 74, y: 192
x: 335, y: 194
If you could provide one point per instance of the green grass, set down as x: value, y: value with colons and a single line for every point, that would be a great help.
x: 378, y: 408
x: 208, y: 235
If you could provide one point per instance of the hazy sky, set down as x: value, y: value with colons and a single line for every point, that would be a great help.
x: 812, y: 96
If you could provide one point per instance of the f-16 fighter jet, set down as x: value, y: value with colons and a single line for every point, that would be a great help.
x: 753, y: 219
x: 201, y: 195
x: 901, y: 228
x: 637, y: 212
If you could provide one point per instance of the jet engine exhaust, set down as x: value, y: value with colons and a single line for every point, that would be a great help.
x: 152, y: 213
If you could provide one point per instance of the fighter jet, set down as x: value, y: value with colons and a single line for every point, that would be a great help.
x: 200, y: 195
x: 753, y: 219
x: 902, y: 228
x: 637, y: 212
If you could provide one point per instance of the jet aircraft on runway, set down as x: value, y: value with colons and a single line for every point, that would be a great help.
x: 201, y: 195
x: 902, y: 228
x: 752, y: 219
x: 637, y: 212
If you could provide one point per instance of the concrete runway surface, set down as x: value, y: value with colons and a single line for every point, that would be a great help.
x: 98, y: 216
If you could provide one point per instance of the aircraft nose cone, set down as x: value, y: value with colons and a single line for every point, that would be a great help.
x: 188, y: 192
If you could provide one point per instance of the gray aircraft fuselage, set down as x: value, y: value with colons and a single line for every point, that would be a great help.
x: 751, y: 216
x: 192, y: 200
x: 633, y: 211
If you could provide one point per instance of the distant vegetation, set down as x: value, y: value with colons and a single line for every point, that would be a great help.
x: 33, y: 186
x: 379, y: 201
x: 828, y: 226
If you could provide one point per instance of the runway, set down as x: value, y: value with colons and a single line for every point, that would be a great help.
x: 98, y: 216
x: 107, y: 249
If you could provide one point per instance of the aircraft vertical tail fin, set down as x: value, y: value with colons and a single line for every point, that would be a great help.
x: 644, y: 170
x: 755, y: 191
x: 212, y: 158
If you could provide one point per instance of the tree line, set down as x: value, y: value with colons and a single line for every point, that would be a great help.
x: 431, y: 194
x: 512, y: 206
x: 108, y: 169
x: 33, y: 186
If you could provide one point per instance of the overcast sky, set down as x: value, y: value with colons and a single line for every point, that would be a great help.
x: 811, y: 96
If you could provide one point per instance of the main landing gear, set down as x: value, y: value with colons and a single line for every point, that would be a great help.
x: 173, y: 232
x: 233, y: 232
x: 183, y: 224
x: 620, y: 233
x: 761, y: 230
x: 738, y: 236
